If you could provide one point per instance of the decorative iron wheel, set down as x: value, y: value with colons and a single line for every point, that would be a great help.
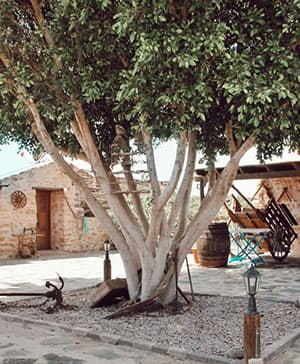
x: 278, y: 248
x: 18, y: 199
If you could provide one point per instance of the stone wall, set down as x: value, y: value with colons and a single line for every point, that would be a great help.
x: 8, y: 243
x: 57, y: 220
x: 66, y: 217
x: 285, y: 190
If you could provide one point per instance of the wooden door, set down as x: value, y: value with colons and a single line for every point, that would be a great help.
x: 43, y: 238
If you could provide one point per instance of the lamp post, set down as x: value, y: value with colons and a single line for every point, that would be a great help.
x: 107, y: 263
x: 251, y: 317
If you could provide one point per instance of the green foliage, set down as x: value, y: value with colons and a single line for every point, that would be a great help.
x: 165, y: 65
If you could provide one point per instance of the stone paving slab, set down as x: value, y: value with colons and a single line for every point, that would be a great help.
x: 26, y: 343
x: 279, y: 281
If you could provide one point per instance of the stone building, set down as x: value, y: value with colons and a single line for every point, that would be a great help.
x: 41, y: 206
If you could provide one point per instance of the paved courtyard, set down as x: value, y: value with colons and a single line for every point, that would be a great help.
x: 21, y: 343
x: 280, y: 282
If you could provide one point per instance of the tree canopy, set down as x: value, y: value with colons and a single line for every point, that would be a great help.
x: 218, y: 76
x: 171, y: 65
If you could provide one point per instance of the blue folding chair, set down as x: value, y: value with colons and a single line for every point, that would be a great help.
x: 247, y: 242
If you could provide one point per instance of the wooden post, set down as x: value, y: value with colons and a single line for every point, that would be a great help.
x: 251, y: 336
x: 201, y: 187
x: 107, y: 267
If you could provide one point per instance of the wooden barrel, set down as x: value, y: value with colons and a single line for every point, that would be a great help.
x: 214, y: 246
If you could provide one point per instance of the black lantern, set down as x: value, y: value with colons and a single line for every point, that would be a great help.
x: 106, y: 246
x: 252, y: 279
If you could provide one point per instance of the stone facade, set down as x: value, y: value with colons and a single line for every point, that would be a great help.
x: 285, y: 190
x: 69, y: 229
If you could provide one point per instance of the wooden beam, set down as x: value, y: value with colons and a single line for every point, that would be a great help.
x: 269, y: 175
x: 201, y: 188
x: 260, y: 171
x: 261, y: 175
x: 51, y: 189
x: 3, y: 185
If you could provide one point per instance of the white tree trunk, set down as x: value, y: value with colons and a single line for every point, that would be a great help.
x: 149, y: 255
x: 149, y: 250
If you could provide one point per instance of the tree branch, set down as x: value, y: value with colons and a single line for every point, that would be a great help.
x: 158, y: 218
x: 41, y: 21
x: 158, y: 212
x: 107, y: 181
x: 4, y: 60
x: 182, y: 199
x: 117, y: 202
x: 214, y: 199
x: 151, y: 164
x: 177, y: 169
x: 131, y: 183
x: 187, y: 179
x: 230, y: 137
x: 78, y: 136
x: 115, y: 234
x: 43, y: 136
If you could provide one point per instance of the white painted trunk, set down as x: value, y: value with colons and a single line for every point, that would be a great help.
x: 147, y: 249
x: 153, y: 269
x: 148, y: 260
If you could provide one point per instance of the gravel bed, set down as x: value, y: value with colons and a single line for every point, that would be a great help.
x: 212, y: 324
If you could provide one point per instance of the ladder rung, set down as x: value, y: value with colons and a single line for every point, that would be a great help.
x: 124, y: 153
x: 121, y: 172
x: 137, y: 171
x: 133, y: 191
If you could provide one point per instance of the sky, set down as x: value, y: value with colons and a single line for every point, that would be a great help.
x: 12, y: 160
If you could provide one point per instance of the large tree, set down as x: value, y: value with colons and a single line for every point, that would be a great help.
x: 218, y: 76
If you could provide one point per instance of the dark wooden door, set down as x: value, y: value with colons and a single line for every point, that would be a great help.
x: 43, y: 238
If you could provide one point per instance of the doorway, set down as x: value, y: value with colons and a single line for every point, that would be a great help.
x: 43, y: 239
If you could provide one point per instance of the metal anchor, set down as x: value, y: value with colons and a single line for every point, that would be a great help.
x: 54, y: 294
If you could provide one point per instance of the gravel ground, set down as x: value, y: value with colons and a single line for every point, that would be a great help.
x: 212, y: 324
